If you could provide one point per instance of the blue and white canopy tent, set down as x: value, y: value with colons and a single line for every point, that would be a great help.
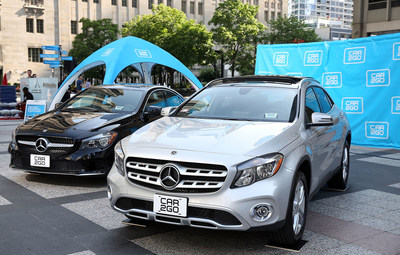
x: 128, y: 51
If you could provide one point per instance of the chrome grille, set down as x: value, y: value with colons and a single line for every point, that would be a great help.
x: 57, y: 145
x: 194, y: 177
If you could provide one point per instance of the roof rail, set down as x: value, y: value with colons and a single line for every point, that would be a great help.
x: 256, y: 78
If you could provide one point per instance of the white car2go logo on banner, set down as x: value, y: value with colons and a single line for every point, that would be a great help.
x: 281, y: 58
x: 353, y: 105
x: 143, y: 53
x: 332, y: 80
x: 377, y: 129
x: 396, y: 105
x: 313, y: 58
x: 396, y: 51
x: 354, y: 55
x: 378, y: 78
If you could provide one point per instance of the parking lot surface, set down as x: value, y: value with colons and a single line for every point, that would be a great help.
x: 46, y: 214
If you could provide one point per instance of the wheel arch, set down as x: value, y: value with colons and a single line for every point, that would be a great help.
x: 304, y: 166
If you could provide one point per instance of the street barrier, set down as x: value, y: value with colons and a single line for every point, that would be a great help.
x: 361, y: 75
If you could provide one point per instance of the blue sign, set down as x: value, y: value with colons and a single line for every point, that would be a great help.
x: 54, y: 66
x: 51, y: 62
x: 66, y: 58
x: 361, y: 75
x: 34, y: 108
x: 49, y: 55
x: 64, y: 52
x: 51, y: 47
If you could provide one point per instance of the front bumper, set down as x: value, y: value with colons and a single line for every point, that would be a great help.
x: 89, y: 164
x: 228, y: 209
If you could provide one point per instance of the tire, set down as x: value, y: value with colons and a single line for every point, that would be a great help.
x: 339, y: 180
x: 296, y: 214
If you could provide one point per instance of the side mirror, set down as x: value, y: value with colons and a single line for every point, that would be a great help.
x: 321, y: 119
x: 167, y: 110
x: 151, y: 111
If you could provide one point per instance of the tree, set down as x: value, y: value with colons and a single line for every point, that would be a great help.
x: 169, y: 29
x: 237, y: 31
x: 290, y: 30
x: 95, y: 34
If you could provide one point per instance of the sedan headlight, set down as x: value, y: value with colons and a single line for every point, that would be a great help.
x: 13, y: 139
x: 99, y: 141
x: 119, y: 158
x: 257, y: 169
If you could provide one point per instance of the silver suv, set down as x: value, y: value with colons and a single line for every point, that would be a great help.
x: 243, y: 153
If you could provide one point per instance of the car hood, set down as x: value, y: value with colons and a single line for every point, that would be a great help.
x: 208, y: 135
x: 59, y: 122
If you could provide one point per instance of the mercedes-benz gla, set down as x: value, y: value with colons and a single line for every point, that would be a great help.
x: 243, y: 153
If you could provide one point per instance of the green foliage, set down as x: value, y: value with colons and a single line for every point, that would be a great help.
x: 207, y: 75
x: 238, y: 32
x: 169, y: 29
x: 291, y: 30
x: 95, y: 35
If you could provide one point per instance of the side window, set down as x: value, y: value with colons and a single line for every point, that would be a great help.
x: 323, y: 99
x: 311, y: 103
x: 172, y: 99
x: 156, y: 98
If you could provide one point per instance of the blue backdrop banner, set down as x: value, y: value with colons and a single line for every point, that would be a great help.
x: 361, y: 75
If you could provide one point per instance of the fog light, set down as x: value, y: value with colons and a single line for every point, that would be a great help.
x: 109, y: 194
x: 261, y: 212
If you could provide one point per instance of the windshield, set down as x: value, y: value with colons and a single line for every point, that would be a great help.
x: 105, y: 100
x: 243, y: 103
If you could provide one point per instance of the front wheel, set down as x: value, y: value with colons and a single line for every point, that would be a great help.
x: 339, y: 180
x: 294, y: 227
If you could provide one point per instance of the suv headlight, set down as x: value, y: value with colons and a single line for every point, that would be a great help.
x: 99, y: 141
x: 257, y: 169
x: 119, y: 158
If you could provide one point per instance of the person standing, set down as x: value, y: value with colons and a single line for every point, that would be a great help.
x: 29, y: 73
x: 79, y: 84
x: 27, y: 96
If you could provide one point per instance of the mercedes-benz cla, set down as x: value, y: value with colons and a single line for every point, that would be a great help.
x: 78, y: 137
x: 242, y: 153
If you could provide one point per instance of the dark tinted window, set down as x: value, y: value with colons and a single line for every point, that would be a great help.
x: 311, y: 103
x: 172, y: 99
x: 156, y: 98
x: 323, y: 99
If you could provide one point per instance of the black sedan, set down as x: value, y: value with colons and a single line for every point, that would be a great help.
x: 78, y: 137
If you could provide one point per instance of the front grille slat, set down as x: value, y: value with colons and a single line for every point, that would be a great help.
x: 194, y: 177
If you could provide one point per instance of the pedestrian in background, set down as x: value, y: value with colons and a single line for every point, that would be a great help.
x: 79, y: 84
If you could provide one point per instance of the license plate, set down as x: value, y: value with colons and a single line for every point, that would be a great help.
x: 176, y: 206
x: 40, y: 160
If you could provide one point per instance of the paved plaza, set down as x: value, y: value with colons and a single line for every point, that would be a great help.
x: 46, y: 214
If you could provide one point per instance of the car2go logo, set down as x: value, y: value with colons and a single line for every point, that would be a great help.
x: 352, y: 105
x: 332, y: 80
x: 281, y: 58
x: 378, y: 129
x: 377, y: 78
x: 396, y: 51
x: 354, y: 55
x: 313, y: 58
x: 396, y: 105
x: 143, y: 53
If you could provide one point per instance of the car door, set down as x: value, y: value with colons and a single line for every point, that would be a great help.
x: 335, y: 133
x: 318, y: 138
